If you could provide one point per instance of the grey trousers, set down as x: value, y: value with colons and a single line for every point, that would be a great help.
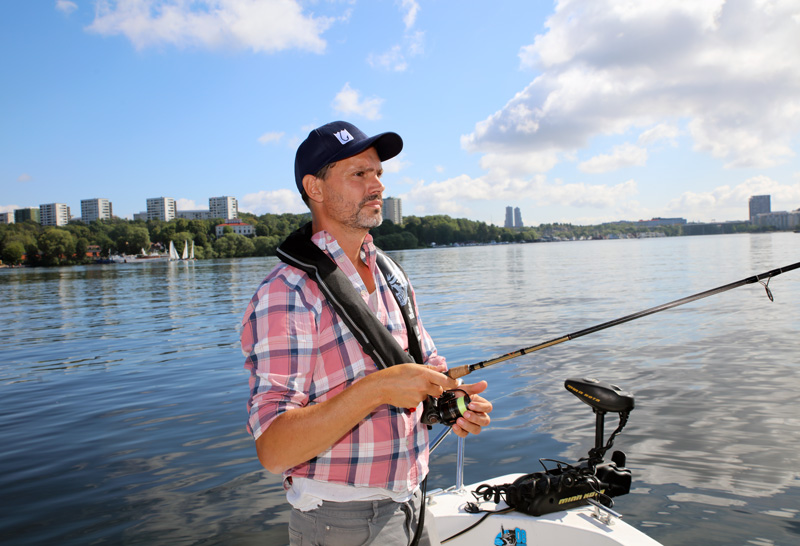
x: 383, y: 523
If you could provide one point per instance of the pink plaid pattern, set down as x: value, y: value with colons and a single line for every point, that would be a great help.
x: 299, y: 352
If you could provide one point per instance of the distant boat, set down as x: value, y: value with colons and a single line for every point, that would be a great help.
x: 173, y: 254
x: 138, y: 258
x: 186, y: 255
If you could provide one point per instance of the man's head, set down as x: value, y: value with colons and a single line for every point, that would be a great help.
x: 336, y: 141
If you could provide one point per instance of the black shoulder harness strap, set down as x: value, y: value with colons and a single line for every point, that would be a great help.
x: 298, y: 250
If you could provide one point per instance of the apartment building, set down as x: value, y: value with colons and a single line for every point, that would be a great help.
x: 54, y: 214
x: 393, y: 210
x: 95, y: 209
x: 223, y: 207
x: 28, y: 213
x: 161, y: 208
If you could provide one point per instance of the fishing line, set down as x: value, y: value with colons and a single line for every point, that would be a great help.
x: 678, y: 334
x: 461, y: 371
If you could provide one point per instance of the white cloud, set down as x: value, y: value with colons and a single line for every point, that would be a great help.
x: 624, y: 155
x: 395, y: 165
x: 268, y: 138
x: 65, y: 6
x: 411, y: 8
x: 412, y: 45
x: 187, y: 204
x: 24, y: 177
x: 396, y: 58
x: 730, y: 203
x: 449, y: 194
x: 348, y: 101
x: 662, y: 131
x: 725, y: 69
x: 277, y: 202
x: 259, y: 25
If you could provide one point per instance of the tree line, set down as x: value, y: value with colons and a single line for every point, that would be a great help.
x: 80, y: 243
x: 77, y: 242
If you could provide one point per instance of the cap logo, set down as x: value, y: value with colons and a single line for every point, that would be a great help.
x: 343, y: 136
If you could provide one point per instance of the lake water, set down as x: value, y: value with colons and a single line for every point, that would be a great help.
x: 122, y: 392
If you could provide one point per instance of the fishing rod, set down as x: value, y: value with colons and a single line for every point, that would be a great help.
x: 461, y: 371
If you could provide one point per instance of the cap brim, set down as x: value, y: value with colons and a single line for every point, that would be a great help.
x: 388, y: 145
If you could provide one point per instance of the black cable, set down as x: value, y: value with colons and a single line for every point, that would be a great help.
x: 421, y: 520
x: 471, y: 527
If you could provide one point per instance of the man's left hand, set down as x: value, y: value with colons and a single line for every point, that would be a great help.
x: 477, y: 415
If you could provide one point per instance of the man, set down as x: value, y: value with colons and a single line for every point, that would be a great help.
x: 322, y: 413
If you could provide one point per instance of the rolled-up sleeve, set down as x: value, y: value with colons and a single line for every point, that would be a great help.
x: 279, y: 341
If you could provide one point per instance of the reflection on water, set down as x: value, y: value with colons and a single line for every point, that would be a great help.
x: 123, y: 393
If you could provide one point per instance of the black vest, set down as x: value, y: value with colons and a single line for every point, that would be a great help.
x: 299, y: 251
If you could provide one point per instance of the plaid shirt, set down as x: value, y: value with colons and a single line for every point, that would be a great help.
x: 299, y: 353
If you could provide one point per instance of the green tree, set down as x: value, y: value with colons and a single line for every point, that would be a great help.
x: 233, y: 245
x: 265, y: 246
x: 131, y: 238
x: 57, y: 246
x: 12, y: 253
x: 81, y: 248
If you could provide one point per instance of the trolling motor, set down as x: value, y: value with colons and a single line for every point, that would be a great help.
x: 570, y: 485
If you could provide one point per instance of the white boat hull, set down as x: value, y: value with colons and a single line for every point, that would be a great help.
x: 578, y: 526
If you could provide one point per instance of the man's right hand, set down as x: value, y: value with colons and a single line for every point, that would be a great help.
x: 406, y: 385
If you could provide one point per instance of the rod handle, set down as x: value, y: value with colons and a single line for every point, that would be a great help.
x: 459, y: 371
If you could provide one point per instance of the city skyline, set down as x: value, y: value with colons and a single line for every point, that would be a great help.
x: 226, y: 207
x: 577, y: 112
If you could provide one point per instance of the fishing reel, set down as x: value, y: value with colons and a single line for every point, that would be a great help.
x: 446, y: 409
x: 570, y: 485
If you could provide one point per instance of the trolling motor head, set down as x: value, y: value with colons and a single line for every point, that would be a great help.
x: 601, y: 396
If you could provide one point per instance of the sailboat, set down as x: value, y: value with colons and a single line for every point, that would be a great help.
x: 185, y: 255
x: 173, y: 254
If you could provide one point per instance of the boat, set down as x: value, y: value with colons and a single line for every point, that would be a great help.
x: 567, y: 505
x: 173, y: 254
x: 137, y: 258
x: 186, y: 255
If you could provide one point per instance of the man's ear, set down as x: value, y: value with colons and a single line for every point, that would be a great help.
x: 313, y: 187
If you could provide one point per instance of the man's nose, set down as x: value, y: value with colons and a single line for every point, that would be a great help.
x: 375, y: 184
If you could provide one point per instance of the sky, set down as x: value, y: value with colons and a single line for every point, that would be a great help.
x: 575, y: 111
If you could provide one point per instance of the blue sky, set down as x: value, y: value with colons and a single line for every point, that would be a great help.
x: 579, y: 111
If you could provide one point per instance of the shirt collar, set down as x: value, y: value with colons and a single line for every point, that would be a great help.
x: 325, y: 241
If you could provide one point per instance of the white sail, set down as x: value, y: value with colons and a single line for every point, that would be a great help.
x: 185, y: 255
x: 191, y: 252
x: 173, y: 254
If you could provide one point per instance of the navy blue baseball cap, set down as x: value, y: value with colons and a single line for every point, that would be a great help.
x: 336, y: 141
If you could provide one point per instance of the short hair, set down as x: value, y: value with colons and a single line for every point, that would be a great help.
x: 323, y: 174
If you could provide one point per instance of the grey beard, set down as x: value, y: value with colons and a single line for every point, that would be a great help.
x: 365, y: 220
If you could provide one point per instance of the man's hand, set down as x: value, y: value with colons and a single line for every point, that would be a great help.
x: 406, y: 385
x: 477, y: 414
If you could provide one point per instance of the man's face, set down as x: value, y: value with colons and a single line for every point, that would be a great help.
x: 352, y: 191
